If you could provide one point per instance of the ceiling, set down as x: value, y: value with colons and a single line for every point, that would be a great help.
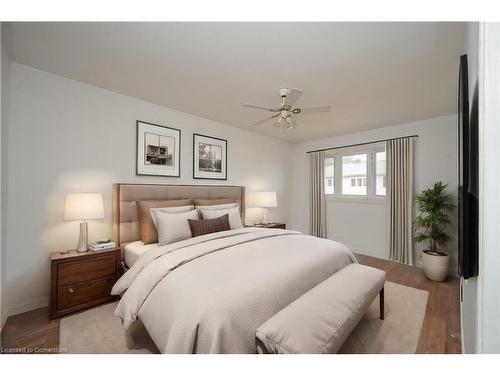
x: 373, y: 74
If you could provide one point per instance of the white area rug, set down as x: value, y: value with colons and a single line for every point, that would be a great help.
x: 100, y: 331
x: 399, y: 332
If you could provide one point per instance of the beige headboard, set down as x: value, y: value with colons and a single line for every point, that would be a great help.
x: 125, y: 197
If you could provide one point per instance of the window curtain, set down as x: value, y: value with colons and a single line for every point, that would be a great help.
x: 317, y: 193
x: 400, y: 199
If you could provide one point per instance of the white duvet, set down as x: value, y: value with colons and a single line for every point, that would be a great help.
x: 208, y: 294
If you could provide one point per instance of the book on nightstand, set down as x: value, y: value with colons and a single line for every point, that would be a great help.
x: 101, y: 245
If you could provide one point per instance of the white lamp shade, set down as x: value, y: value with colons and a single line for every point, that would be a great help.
x: 265, y: 199
x: 84, y: 206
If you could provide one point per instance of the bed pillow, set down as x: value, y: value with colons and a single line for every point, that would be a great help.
x: 146, y: 225
x: 234, y: 216
x: 201, y: 227
x: 173, y: 227
x: 171, y: 210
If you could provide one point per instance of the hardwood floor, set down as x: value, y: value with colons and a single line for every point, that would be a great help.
x: 30, y: 332
x: 34, y: 332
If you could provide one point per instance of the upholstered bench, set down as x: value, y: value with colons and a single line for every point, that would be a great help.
x: 322, y: 319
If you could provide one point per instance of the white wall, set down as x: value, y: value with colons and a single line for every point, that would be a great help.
x: 370, y: 240
x: 65, y: 136
x: 4, y: 84
x: 489, y: 192
x: 435, y: 159
x: 468, y: 306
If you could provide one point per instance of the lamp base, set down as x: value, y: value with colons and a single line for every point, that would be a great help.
x: 264, y: 216
x: 83, y: 244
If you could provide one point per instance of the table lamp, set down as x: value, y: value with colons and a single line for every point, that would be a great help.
x: 265, y: 199
x: 83, y: 206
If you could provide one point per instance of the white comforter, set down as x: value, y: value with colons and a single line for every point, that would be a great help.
x: 208, y: 294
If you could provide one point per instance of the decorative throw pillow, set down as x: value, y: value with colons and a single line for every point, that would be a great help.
x: 234, y: 216
x: 174, y: 227
x: 201, y: 227
x: 146, y: 225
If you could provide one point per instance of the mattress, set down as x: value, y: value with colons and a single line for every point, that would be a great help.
x: 134, y: 250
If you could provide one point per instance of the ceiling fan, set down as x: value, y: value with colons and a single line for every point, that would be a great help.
x: 284, y: 115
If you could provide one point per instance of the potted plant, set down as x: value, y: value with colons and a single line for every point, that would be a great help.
x: 434, y: 206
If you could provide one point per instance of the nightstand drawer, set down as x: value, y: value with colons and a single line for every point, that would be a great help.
x: 77, y: 294
x: 91, y: 269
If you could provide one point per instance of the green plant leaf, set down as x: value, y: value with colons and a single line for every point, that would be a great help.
x: 434, y: 207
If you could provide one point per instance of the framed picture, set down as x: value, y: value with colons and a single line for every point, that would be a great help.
x: 158, y: 150
x: 209, y: 157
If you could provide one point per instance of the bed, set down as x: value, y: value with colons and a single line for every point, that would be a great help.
x: 209, y: 294
x: 133, y: 250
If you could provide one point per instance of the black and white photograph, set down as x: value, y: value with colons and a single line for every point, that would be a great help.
x: 158, y: 150
x: 209, y: 157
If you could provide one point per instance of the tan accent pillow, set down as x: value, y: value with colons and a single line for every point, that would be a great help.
x: 146, y: 225
x: 211, y: 202
x: 201, y: 227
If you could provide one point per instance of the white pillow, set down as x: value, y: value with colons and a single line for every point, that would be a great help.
x: 234, y: 216
x: 218, y: 206
x: 173, y: 227
x: 170, y: 210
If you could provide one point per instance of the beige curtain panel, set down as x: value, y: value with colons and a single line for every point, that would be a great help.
x: 317, y: 193
x: 400, y: 198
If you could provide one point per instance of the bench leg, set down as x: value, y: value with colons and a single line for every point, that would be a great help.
x: 381, y: 300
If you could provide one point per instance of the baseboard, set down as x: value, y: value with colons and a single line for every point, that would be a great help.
x: 27, y: 307
x: 372, y: 254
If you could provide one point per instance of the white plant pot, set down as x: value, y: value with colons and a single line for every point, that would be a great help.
x: 435, y: 264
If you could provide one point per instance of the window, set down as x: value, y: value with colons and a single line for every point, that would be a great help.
x: 329, y: 176
x: 380, y: 170
x: 353, y: 174
x: 356, y: 173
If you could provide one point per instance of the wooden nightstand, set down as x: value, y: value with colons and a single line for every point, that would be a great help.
x: 270, y: 225
x: 82, y: 280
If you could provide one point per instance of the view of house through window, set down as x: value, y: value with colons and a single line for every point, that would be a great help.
x: 329, y: 176
x: 358, y: 173
x: 381, y: 181
x: 354, y: 174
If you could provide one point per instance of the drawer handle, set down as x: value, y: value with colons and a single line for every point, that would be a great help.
x: 71, y: 290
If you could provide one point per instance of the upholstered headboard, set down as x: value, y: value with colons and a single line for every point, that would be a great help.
x: 125, y: 197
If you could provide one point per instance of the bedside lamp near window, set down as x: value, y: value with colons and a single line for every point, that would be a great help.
x: 84, y: 206
x: 265, y: 199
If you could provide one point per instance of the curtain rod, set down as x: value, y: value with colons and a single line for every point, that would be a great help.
x: 361, y: 144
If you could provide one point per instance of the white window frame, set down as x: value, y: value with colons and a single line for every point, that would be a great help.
x: 370, y: 150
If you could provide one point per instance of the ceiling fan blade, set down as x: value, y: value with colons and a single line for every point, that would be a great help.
x: 293, y: 96
x: 320, y: 108
x: 266, y: 119
x: 260, y: 107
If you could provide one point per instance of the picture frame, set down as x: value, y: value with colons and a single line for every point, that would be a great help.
x: 209, y: 157
x: 158, y: 150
